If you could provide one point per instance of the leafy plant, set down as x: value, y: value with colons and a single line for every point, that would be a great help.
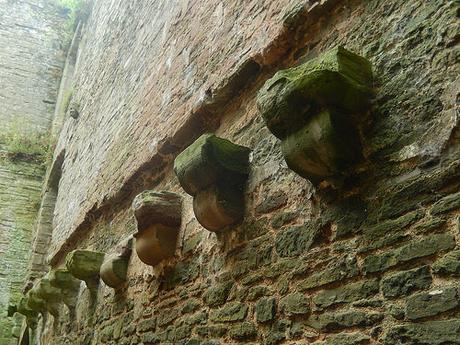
x: 74, y: 10
x: 20, y: 144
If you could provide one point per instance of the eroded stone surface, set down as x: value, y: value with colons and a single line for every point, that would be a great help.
x: 214, y: 171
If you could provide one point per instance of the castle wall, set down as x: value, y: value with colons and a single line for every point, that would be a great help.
x: 348, y: 266
x: 31, y: 59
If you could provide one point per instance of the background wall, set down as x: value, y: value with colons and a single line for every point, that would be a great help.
x: 306, y: 266
x: 31, y: 59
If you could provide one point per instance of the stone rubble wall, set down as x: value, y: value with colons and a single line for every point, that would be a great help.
x: 31, y: 58
x: 376, y: 262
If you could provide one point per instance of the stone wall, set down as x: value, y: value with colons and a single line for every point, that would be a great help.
x: 31, y: 59
x: 375, y: 261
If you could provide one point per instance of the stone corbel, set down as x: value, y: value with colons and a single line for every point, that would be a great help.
x: 51, y: 295
x: 68, y: 284
x: 24, y: 309
x: 317, y: 110
x: 158, y: 216
x: 115, y: 267
x: 214, y: 171
x: 85, y: 265
x: 35, y: 303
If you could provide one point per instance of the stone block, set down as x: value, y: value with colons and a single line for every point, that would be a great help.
x: 243, y: 331
x: 158, y: 215
x: 403, y: 283
x: 448, y: 265
x: 115, y: 266
x: 431, y: 303
x: 230, y: 312
x: 430, y: 332
x: 346, y: 267
x: 316, y: 109
x: 344, y: 319
x: 415, y: 249
x: 67, y: 283
x: 265, y: 309
x: 47, y: 292
x: 295, y: 304
x: 214, y: 171
x: 23, y: 308
x: 354, y: 338
x: 218, y: 294
x: 296, y: 240
x: 85, y: 265
x: 346, y: 294
x: 446, y: 204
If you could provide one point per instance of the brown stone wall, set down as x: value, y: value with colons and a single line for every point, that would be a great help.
x: 373, y: 262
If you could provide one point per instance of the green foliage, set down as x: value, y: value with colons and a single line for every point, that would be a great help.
x: 20, y: 144
x: 75, y: 11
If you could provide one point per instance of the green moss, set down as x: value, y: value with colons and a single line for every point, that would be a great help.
x: 338, y: 79
x: 21, y: 145
x: 74, y: 11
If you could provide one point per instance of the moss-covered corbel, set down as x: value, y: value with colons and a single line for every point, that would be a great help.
x: 12, y: 308
x: 68, y: 284
x: 35, y: 303
x: 158, y: 215
x: 24, y: 309
x: 317, y: 110
x: 214, y: 171
x: 115, y: 267
x: 51, y: 295
x: 85, y: 265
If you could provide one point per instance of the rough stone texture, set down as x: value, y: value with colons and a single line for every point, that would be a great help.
x: 448, y: 265
x: 154, y: 76
x: 403, y: 283
x: 431, y: 333
x: 31, y: 60
x: 432, y: 303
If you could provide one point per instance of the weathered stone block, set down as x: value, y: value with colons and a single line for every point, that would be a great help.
x: 314, y: 109
x: 234, y: 311
x: 214, y: 171
x: 23, y: 308
x: 296, y: 240
x: 48, y: 293
x: 344, y: 319
x: 346, y: 294
x: 68, y: 284
x: 243, y: 331
x: 265, y: 309
x: 403, y: 283
x: 85, y: 265
x: 158, y: 216
x: 218, y: 294
x: 344, y: 339
x: 432, y: 303
x: 115, y: 267
x: 430, y: 333
x: 448, y: 265
x: 416, y: 249
x: 343, y: 268
x: 295, y: 304
x: 446, y: 204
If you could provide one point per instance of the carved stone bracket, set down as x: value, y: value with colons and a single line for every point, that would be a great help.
x: 50, y: 295
x: 85, y: 265
x: 115, y: 267
x: 69, y: 286
x: 316, y: 109
x: 214, y: 171
x: 158, y: 216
